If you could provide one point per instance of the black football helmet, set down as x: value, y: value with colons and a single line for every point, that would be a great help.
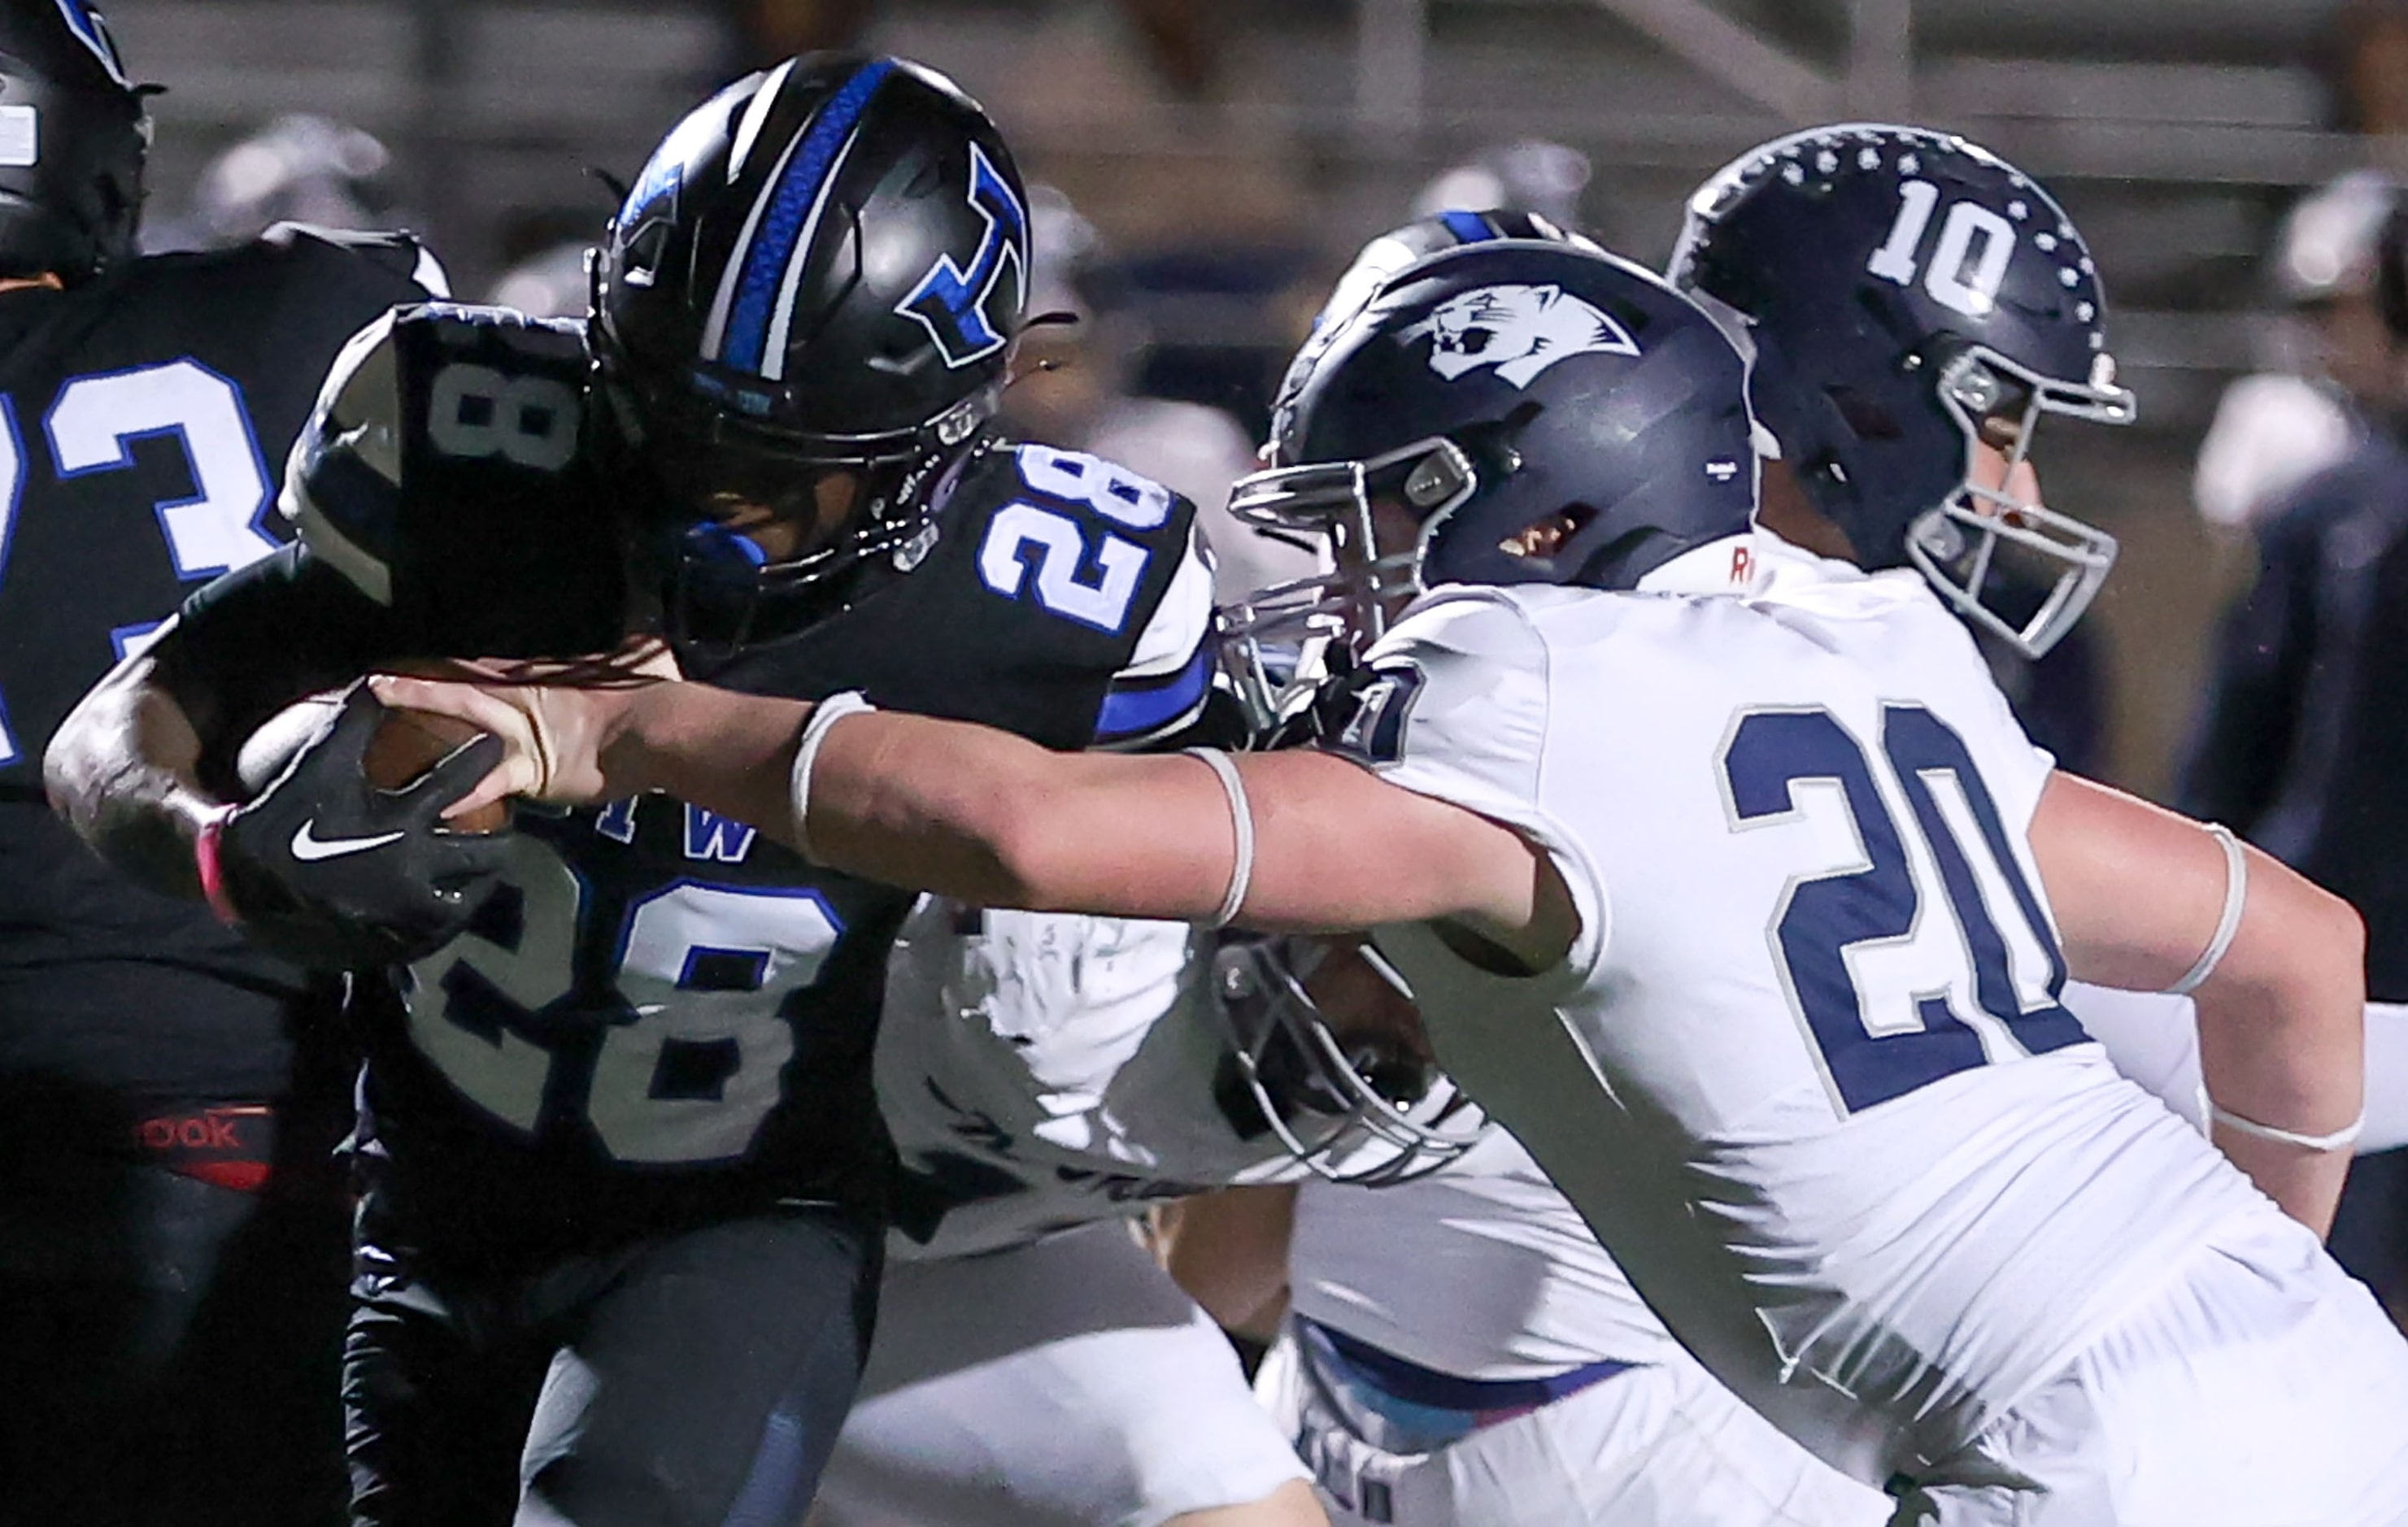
x: 820, y: 271
x: 1909, y: 295
x: 1265, y: 635
x: 1485, y: 390
x: 73, y: 135
x: 1350, y: 1102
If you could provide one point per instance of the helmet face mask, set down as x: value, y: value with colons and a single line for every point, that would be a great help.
x: 1280, y: 636
x: 1361, y: 1107
x: 762, y: 543
x: 1985, y: 528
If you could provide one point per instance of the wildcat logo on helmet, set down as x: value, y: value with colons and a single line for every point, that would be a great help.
x: 953, y: 304
x: 1520, y: 330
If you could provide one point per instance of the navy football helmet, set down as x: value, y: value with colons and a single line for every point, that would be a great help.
x: 1264, y: 634
x: 1910, y: 296
x: 820, y: 272
x: 1484, y: 391
x: 74, y: 138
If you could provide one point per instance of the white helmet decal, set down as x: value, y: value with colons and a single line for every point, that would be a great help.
x: 1520, y: 330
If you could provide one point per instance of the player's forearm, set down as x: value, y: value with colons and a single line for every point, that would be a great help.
x: 2282, y: 1035
x: 968, y: 811
x: 985, y: 816
x: 727, y: 753
x: 989, y: 818
x: 2141, y: 894
x: 123, y: 771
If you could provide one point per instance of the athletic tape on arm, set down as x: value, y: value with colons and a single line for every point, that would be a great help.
x: 1242, y: 820
x: 824, y: 715
x: 2236, y: 898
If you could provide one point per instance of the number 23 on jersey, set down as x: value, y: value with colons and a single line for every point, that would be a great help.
x: 92, y: 426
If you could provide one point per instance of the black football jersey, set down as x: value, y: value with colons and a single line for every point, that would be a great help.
x: 664, y: 1014
x: 144, y: 421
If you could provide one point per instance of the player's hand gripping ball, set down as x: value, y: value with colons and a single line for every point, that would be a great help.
x: 399, y: 752
x: 342, y: 858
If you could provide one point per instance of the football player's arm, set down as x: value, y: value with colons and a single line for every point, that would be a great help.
x: 123, y: 769
x: 2140, y: 894
x: 986, y: 817
x: 1229, y: 1250
x: 147, y: 759
x: 2153, y: 1038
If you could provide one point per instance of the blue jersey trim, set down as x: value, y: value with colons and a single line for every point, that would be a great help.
x: 1429, y: 1388
x: 797, y: 191
x: 1128, y: 712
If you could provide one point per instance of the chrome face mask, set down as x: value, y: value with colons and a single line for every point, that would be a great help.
x: 1981, y: 532
x: 1280, y: 637
x: 1360, y: 1112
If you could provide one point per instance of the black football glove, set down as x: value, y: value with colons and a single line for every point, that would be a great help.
x: 329, y: 871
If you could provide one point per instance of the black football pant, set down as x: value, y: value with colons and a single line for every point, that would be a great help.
x: 697, y: 1380
x: 169, y: 1348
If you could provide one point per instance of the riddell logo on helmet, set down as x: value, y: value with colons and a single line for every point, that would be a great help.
x: 1520, y: 330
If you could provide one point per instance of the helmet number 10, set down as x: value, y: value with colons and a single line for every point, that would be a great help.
x: 1969, y: 262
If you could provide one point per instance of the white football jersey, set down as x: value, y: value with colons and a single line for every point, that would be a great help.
x: 1045, y: 1070
x: 1803, y: 1070
x: 1482, y: 1269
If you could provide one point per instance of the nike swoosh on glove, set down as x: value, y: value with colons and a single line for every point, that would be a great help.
x: 327, y: 870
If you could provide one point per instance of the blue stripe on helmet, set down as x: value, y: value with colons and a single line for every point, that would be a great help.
x: 1468, y: 227
x: 781, y: 224
x: 89, y: 31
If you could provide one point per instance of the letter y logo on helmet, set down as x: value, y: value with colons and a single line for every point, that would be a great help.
x: 951, y: 302
x: 1520, y: 330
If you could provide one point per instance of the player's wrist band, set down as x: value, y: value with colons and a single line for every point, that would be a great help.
x: 1241, y: 819
x: 209, y: 864
x: 824, y: 715
x: 2236, y: 897
x: 2340, y: 1139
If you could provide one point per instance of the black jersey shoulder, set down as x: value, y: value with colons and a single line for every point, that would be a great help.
x: 449, y: 472
x: 392, y: 250
x: 1048, y: 570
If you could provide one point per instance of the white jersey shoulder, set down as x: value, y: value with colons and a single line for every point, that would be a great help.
x: 1044, y: 1070
x: 1805, y: 1070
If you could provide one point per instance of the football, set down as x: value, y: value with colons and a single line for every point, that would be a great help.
x: 406, y: 746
